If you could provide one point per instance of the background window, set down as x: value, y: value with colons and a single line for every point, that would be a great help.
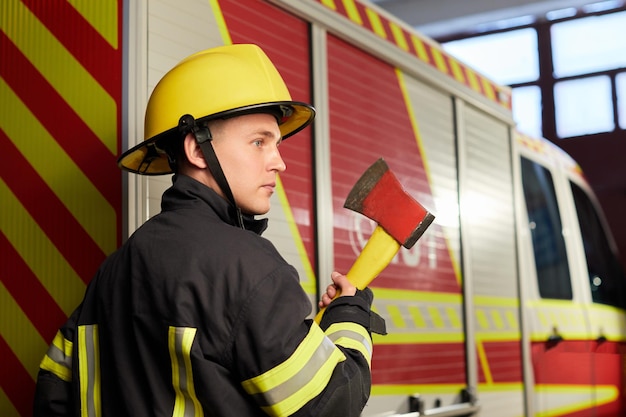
x: 583, y: 106
x: 590, y: 44
x: 606, y: 278
x: 544, y: 222
x: 527, y: 109
x: 507, y: 58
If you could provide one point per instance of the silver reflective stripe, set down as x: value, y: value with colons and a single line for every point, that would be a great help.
x: 301, y: 378
x: 286, y: 388
x: 58, y: 356
x: 89, y: 370
x: 180, y: 340
x: 357, y: 337
x: 58, y: 359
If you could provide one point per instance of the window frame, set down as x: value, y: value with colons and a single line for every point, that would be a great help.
x: 546, y: 81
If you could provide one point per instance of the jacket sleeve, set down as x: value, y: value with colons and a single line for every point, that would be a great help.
x: 53, y: 391
x: 292, y: 366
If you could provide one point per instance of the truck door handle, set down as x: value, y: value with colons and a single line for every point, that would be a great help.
x: 555, y: 338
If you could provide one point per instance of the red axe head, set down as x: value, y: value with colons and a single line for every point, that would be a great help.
x: 379, y: 196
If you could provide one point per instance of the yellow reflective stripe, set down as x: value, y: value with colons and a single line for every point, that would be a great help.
x: 89, y: 370
x: 352, y: 336
x: 180, y: 341
x: 58, y: 359
x: 284, y: 389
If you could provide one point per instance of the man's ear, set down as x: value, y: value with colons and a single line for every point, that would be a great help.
x: 194, y: 152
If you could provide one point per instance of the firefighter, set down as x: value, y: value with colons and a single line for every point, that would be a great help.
x: 197, y: 314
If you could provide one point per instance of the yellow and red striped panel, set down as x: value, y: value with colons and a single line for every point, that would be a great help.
x: 424, y: 49
x: 60, y: 92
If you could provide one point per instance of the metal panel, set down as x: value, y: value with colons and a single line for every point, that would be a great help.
x: 175, y: 30
x: 489, y: 205
x: 490, y: 260
x: 433, y: 111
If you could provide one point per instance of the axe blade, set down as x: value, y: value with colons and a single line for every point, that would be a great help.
x: 379, y: 196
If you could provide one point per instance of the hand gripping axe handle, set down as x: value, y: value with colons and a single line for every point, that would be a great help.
x: 400, y: 219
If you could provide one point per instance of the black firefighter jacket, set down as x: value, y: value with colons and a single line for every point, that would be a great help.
x: 193, y: 316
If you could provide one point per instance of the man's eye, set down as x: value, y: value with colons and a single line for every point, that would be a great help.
x: 258, y: 143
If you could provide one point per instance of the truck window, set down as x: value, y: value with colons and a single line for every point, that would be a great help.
x: 544, y: 224
x: 606, y: 277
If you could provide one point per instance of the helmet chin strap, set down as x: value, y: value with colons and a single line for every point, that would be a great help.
x: 204, y: 138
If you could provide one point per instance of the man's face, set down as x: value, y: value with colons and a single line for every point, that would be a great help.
x: 247, y: 148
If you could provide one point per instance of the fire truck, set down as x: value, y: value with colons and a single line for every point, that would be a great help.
x: 511, y: 304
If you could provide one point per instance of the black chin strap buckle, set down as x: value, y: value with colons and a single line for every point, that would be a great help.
x: 187, y: 124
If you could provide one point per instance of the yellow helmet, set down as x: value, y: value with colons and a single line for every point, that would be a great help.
x: 214, y: 83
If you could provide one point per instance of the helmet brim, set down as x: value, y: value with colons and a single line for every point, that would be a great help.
x: 147, y: 158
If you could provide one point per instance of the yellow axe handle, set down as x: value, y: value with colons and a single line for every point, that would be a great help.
x: 376, y: 255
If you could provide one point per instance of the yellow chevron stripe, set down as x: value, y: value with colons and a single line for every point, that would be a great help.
x: 221, y: 22
x: 353, y: 12
x: 604, y: 394
x: 489, y: 88
x: 420, y: 49
x: 484, y: 363
x: 20, y: 334
x: 75, y: 84
x: 442, y: 388
x: 41, y: 256
x: 455, y: 321
x: 440, y: 61
x: 481, y: 319
x: 417, y: 317
x: 511, y: 320
x: 472, y: 78
x: 308, y: 282
x: 6, y: 405
x: 491, y: 301
x: 83, y: 200
x: 396, y: 317
x: 457, y: 72
x: 418, y: 296
x: 414, y: 338
x: 410, y: 389
x: 101, y: 15
x: 435, y: 317
x: 330, y: 4
x: 377, y: 24
x: 496, y: 318
x: 399, y: 36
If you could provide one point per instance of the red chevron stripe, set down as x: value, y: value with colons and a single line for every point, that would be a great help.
x: 26, y: 289
x: 69, y: 130
x: 340, y: 8
x: 15, y: 380
x: 49, y: 212
x: 466, y: 72
x: 81, y: 39
x: 366, y: 21
x: 387, y: 26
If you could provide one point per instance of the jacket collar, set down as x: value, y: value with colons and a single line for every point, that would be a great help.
x: 187, y: 191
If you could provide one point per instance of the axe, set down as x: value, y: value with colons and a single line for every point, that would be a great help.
x: 400, y: 220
